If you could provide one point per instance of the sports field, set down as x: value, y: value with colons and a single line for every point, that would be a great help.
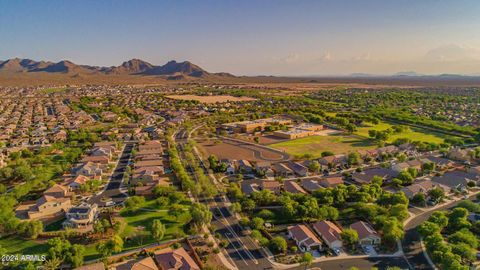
x: 414, y: 134
x: 315, y: 145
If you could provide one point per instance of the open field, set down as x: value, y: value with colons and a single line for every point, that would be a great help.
x: 315, y: 145
x: 414, y: 134
x: 54, y: 90
x: 210, y: 99
x: 19, y: 245
x: 137, y: 224
x: 236, y: 150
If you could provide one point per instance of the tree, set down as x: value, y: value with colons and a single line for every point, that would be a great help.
x: 266, y: 214
x: 278, y: 244
x: 436, y: 194
x: 349, y: 237
x: 201, y: 215
x: 466, y: 252
x: 419, y: 199
x: 257, y: 223
x: 440, y: 218
x: 307, y: 259
x: 314, y: 166
x: 133, y: 203
x: 52, y: 264
x: 236, y: 207
x: 392, y: 230
x: 464, y: 236
x: 175, y: 210
x: 30, y: 229
x: 113, y: 245
x: 353, y: 158
x: 457, y: 219
x: 64, y: 251
x: 158, y: 230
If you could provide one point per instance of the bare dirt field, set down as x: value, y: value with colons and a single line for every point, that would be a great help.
x: 210, y: 99
x: 236, y: 150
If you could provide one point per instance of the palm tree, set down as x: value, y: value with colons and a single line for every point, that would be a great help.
x: 52, y: 264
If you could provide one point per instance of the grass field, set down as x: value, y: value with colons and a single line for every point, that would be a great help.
x: 315, y: 145
x: 414, y: 134
x: 137, y: 224
x: 19, y: 245
x: 54, y: 90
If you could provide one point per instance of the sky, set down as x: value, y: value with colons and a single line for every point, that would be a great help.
x: 263, y: 37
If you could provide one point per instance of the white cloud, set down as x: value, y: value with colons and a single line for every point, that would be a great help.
x: 453, y: 52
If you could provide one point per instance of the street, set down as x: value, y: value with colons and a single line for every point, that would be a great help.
x: 112, y: 191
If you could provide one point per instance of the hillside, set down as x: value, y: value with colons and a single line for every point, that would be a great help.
x: 24, y: 71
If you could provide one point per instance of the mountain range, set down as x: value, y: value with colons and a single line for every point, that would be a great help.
x: 171, y: 70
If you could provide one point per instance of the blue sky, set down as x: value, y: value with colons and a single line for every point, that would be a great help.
x: 251, y: 37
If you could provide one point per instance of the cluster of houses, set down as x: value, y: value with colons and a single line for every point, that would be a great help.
x: 163, y: 259
x: 37, y: 122
x: 148, y: 168
x: 57, y: 201
x: 326, y: 234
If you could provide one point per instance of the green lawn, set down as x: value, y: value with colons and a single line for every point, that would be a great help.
x: 19, y: 245
x: 315, y: 145
x: 414, y: 134
x: 54, y: 90
x: 138, y: 224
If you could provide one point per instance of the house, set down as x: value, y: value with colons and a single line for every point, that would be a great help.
x: 230, y: 166
x: 264, y: 168
x: 310, y: 185
x: 90, y: 169
x: 81, y: 216
x: 46, y: 207
x: 456, y: 179
x: 282, y: 170
x: 175, y: 259
x: 293, y: 187
x: 146, y: 263
x: 331, y: 181
x: 249, y: 186
x: 57, y: 191
x: 390, y: 149
x: 146, y: 174
x: 96, y: 159
x: 421, y: 187
x: 474, y: 170
x: 441, y: 163
x: 78, y: 181
x: 298, y: 168
x: 366, y: 176
x: 151, y: 146
x: 148, y: 163
x: 366, y: 234
x: 304, y: 238
x: 400, y: 167
x: 333, y: 161
x: 244, y: 166
x: 273, y: 186
x: 329, y: 232
x: 459, y: 154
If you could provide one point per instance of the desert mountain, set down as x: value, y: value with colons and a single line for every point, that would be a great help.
x: 132, y: 67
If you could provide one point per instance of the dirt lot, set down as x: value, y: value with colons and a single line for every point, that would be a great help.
x: 210, y: 99
x: 234, y: 150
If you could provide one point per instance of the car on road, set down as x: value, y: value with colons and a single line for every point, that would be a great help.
x: 337, y: 251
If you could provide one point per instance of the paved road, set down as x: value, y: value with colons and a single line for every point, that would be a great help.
x: 241, y: 249
x: 112, y: 192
